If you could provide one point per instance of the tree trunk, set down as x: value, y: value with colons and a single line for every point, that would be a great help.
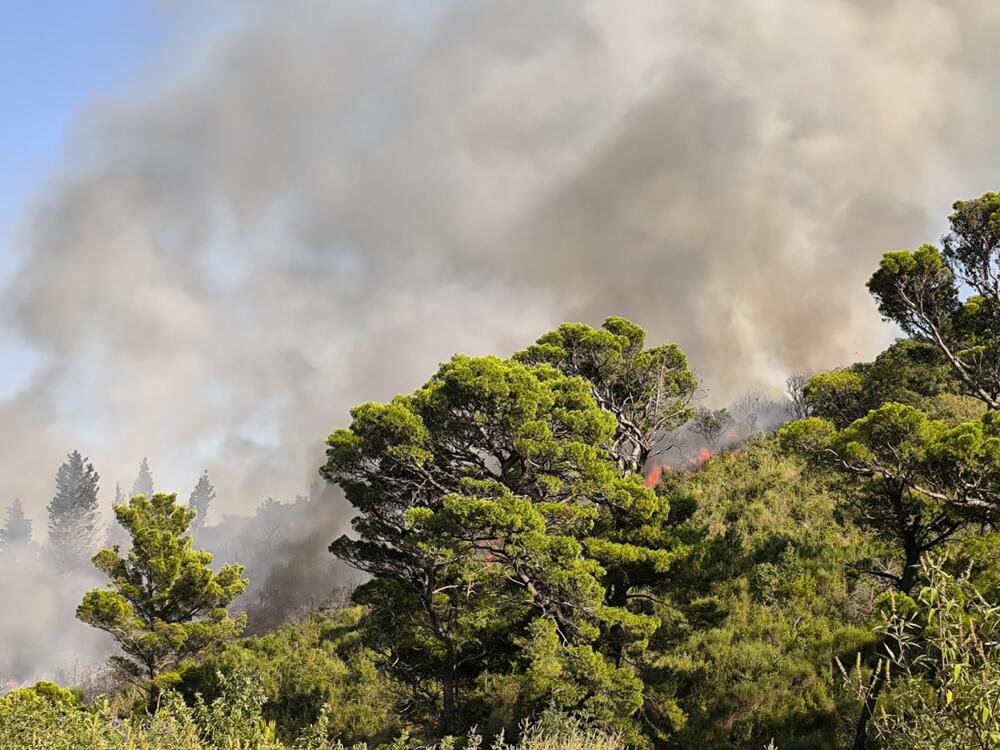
x: 906, y: 583
x: 153, y: 700
x: 909, y: 578
x: 618, y: 597
x: 640, y: 457
x: 448, y: 691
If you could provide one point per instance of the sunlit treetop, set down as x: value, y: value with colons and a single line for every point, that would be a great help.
x: 648, y: 391
x: 950, y: 296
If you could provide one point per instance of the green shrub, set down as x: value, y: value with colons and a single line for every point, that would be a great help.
x: 302, y: 669
x: 762, y: 605
x: 30, y: 720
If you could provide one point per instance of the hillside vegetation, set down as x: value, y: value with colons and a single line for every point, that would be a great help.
x: 830, y: 584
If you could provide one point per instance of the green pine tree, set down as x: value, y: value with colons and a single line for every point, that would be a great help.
x: 914, y: 482
x: 200, y: 502
x: 480, y: 499
x: 164, y: 604
x: 74, y: 519
x: 648, y: 391
x: 17, y: 529
x: 950, y: 297
x: 16, y: 544
x: 143, y: 484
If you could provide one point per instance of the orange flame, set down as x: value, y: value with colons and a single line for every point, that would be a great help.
x: 655, y: 475
x: 696, y: 462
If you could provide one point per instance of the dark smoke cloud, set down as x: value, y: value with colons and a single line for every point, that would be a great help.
x: 342, y: 194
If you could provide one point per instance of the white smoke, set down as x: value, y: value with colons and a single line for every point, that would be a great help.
x: 339, y: 195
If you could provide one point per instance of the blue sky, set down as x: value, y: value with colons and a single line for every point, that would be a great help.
x: 57, y: 57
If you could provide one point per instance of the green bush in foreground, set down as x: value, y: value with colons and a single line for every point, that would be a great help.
x: 941, y: 667
x: 307, y: 670
x: 39, y: 719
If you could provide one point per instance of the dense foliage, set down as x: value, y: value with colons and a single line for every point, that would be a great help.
x: 943, y: 671
x: 46, y: 717
x: 761, y: 605
x: 306, y: 671
x: 504, y: 542
x: 647, y: 391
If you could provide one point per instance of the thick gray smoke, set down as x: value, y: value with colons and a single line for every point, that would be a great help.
x: 343, y: 194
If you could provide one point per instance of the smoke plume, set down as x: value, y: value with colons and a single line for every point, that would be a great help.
x: 339, y: 195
